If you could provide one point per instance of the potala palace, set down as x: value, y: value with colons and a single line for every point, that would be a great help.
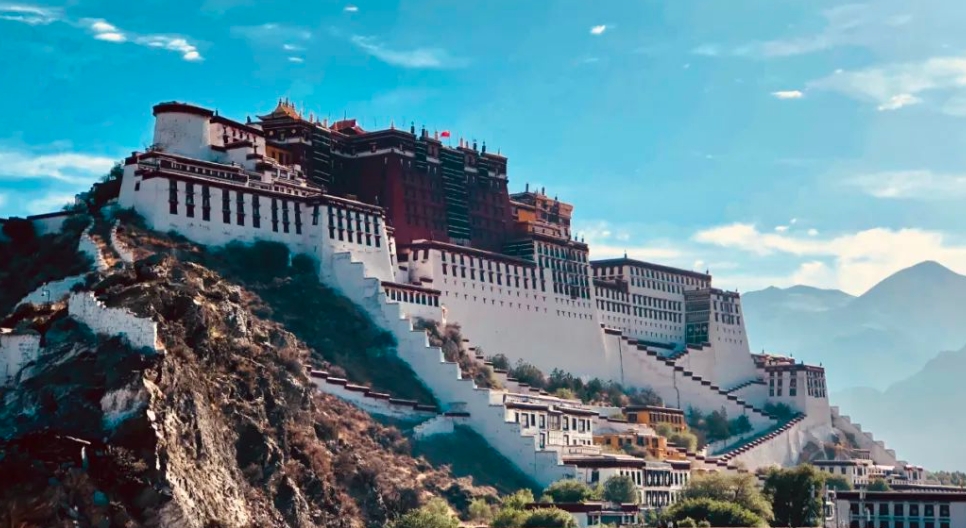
x: 410, y: 228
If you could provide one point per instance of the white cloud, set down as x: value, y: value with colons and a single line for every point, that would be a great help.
x: 911, y: 184
x: 272, y: 34
x: 598, y: 30
x: 856, y: 261
x: 788, y: 94
x: 872, y: 24
x: 813, y: 232
x: 298, y: 60
x: 49, y: 203
x: 351, y: 9
x: 292, y: 47
x: 110, y: 37
x: 707, y: 50
x: 66, y: 167
x: 893, y: 86
x: 101, y: 26
x: 29, y: 14
x: 781, y: 228
x: 419, y: 58
x: 793, y: 221
x: 898, y: 101
x: 176, y: 44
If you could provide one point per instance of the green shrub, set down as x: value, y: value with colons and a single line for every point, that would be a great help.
x: 717, y: 513
x: 621, y: 488
x: 569, y: 490
x: 549, y: 518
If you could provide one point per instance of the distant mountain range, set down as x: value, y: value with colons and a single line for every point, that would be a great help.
x: 873, y: 340
x: 920, y: 416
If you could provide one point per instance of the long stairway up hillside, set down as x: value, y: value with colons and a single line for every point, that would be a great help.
x: 484, y: 409
x: 711, y: 392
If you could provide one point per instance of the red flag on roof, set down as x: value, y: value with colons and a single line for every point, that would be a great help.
x: 444, y: 133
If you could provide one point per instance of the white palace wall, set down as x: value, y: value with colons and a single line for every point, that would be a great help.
x: 534, y: 325
x: 53, y: 291
x: 16, y: 350
x: 139, y: 332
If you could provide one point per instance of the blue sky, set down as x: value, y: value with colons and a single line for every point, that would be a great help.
x: 773, y: 142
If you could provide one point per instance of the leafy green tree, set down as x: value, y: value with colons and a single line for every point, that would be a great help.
x: 518, y: 500
x: 717, y: 513
x: 509, y: 518
x: 549, y: 518
x: 621, y: 488
x: 500, y: 361
x: 716, y: 425
x: 687, y: 522
x: 795, y: 495
x: 526, y: 373
x: 704, y: 524
x: 740, y: 425
x: 879, y: 485
x: 565, y: 393
x: 479, y: 510
x: 740, y: 489
x: 434, y: 514
x: 838, y: 482
x: 780, y: 410
x: 569, y: 490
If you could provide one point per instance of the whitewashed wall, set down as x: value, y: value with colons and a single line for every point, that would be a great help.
x: 376, y: 406
x: 140, y: 332
x: 880, y: 454
x: 16, y: 350
x: 52, y: 291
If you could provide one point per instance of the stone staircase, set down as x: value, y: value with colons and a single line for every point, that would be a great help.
x: 727, y: 400
x: 737, y: 451
x: 481, y: 407
x: 743, y: 385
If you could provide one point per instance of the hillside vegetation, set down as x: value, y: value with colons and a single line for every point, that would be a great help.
x: 221, y: 429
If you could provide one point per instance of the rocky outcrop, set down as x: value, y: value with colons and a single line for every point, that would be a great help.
x: 223, y: 429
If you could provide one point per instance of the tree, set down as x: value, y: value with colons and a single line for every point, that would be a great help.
x: 780, y: 410
x: 879, y: 484
x: 565, y: 393
x: 569, y: 490
x: 716, y: 426
x: 795, y: 495
x: 500, y: 361
x: 518, y: 500
x: 509, y: 518
x: 715, y: 512
x: 549, y: 518
x: 740, y: 425
x: 479, y: 510
x: 621, y: 489
x: 435, y: 514
x: 740, y: 489
x: 838, y: 482
x: 526, y: 373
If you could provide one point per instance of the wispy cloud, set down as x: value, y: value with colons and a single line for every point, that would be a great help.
x: 788, y: 94
x: 911, y: 184
x: 598, y: 30
x: 272, y: 33
x: 49, y: 202
x: 67, y: 167
x: 292, y: 47
x: 895, y: 86
x: 852, y: 262
x: 29, y: 14
x: 297, y: 60
x: 351, y: 9
x: 172, y: 43
x: 845, y: 25
x: 419, y: 58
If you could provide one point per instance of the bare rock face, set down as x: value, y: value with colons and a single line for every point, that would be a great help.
x: 219, y: 428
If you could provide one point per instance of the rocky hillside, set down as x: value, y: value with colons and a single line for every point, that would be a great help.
x: 221, y: 428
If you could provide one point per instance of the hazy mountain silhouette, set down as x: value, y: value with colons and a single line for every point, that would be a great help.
x: 872, y: 340
x: 897, y: 414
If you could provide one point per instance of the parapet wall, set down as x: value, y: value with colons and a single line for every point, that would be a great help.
x: 122, y: 249
x: 140, y: 332
x: 880, y: 454
x: 16, y: 350
x: 53, y: 291
x: 372, y: 402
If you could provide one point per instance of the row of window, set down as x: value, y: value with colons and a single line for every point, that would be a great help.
x: 408, y: 296
x: 276, y: 205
